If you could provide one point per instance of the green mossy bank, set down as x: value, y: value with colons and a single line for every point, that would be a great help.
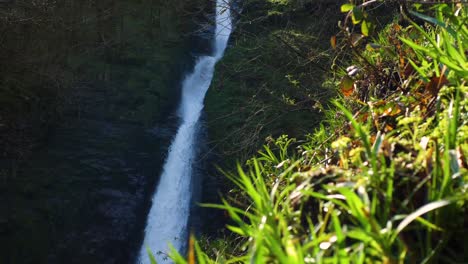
x: 271, y: 80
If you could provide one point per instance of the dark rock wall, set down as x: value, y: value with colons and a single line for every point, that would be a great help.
x: 81, y: 191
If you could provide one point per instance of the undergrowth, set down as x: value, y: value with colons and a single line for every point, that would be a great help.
x: 383, y: 180
x: 271, y: 77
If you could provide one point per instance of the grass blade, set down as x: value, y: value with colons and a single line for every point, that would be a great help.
x: 423, y: 210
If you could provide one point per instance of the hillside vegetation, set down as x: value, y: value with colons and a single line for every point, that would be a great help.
x: 272, y: 79
x: 55, y: 54
x: 383, y: 178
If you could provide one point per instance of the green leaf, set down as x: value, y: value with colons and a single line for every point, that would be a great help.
x: 373, y: 46
x: 357, y: 127
x: 365, y: 26
x: 417, y: 6
x: 327, y: 198
x: 419, y: 70
x: 435, y: 22
x: 422, y: 210
x: 453, y: 53
x: 347, y: 7
x: 237, y: 230
x: 414, y: 45
x: 377, y: 144
x: 360, y: 235
x: 175, y: 256
x: 445, y: 60
x: 201, y: 257
x: 151, y: 256
x: 337, y: 226
x: 461, y: 49
x: 357, y: 15
x: 429, y: 224
x: 356, y: 205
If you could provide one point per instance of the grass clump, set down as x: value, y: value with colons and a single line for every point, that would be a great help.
x: 383, y: 180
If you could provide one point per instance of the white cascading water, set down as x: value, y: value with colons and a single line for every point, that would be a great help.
x: 168, y: 218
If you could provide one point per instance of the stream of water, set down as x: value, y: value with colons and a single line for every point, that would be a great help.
x: 168, y: 217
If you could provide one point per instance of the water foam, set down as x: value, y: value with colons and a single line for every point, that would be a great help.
x: 168, y: 217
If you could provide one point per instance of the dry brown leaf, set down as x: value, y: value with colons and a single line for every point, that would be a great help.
x: 333, y: 42
x: 435, y: 84
x: 347, y: 85
x: 388, y: 128
x: 191, y: 250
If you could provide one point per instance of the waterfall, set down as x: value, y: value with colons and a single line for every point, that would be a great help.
x: 168, y: 217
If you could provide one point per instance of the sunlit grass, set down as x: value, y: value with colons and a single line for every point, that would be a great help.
x: 383, y: 181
